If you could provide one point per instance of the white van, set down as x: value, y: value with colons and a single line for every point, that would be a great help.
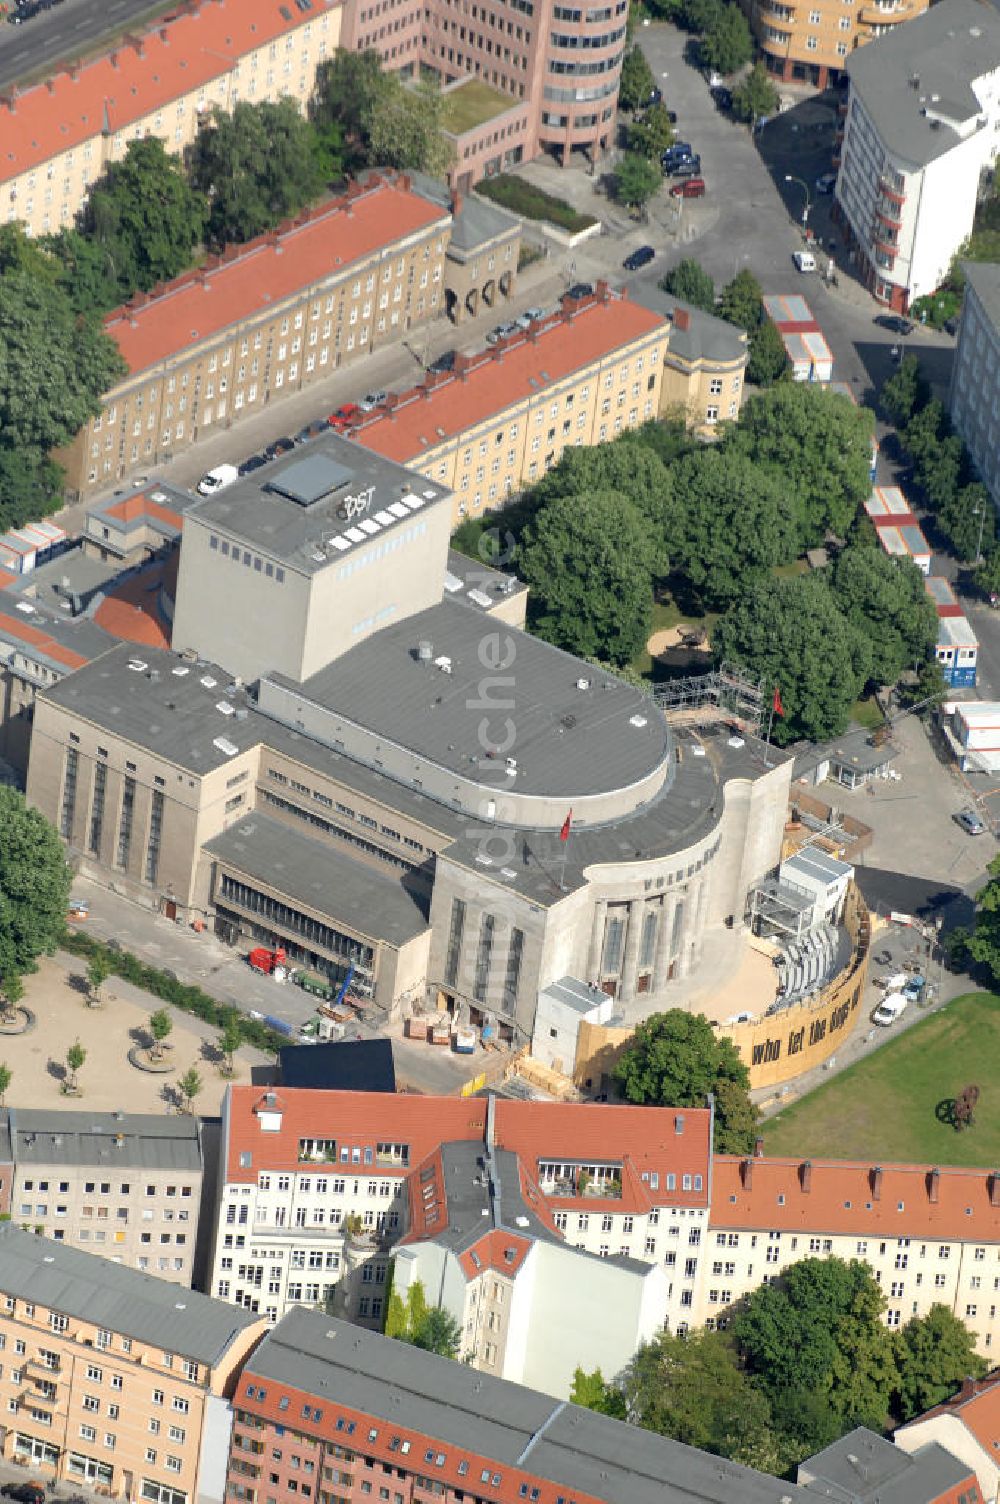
x: 805, y: 261
x: 889, y: 1009
x: 217, y: 479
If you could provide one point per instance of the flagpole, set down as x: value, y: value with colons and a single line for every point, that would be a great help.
x: 767, y: 739
x: 564, y: 835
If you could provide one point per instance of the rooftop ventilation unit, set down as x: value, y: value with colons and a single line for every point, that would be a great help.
x: 137, y: 666
x: 180, y: 670
x: 583, y: 683
x: 224, y: 707
x: 479, y: 598
x: 222, y: 744
x: 443, y: 663
x: 425, y: 651
x: 637, y: 720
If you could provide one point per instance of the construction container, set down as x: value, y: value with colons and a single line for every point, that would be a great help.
x: 441, y: 1034
x: 464, y: 1041
x: 416, y: 1028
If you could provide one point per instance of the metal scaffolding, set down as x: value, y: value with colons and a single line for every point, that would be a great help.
x: 725, y: 691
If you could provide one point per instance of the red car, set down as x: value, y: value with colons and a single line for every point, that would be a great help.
x: 689, y: 188
x: 345, y: 417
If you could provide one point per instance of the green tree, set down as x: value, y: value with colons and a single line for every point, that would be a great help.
x: 819, y: 442
x: 637, y: 180
x: 160, y: 1026
x: 886, y: 601
x: 924, y: 430
x: 631, y: 469
x: 348, y: 87
x: 726, y: 44
x: 592, y: 1393
x: 98, y: 971
x: 791, y: 634
x: 76, y: 1056
x: 6, y: 1076
x: 637, y: 81
x: 968, y: 520
x: 88, y: 272
x: 30, y: 486
x: 904, y: 392
x: 983, y: 945
x: 11, y: 993
x: 768, y: 357
x: 675, y: 1059
x: 439, y: 1333
x: 651, y: 133
x: 755, y: 96
x: 230, y: 1039
x: 255, y: 167
x: 689, y: 281
x: 145, y: 215
x: 406, y: 129
x: 700, y: 15
x: 987, y: 576
x: 738, y: 521
x: 741, y: 301
x: 817, y: 1330
x: 934, y: 1354
x: 34, y: 885
x: 189, y: 1086
x: 587, y: 562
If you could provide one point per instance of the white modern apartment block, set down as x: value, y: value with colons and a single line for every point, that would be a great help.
x: 922, y: 126
x: 975, y: 378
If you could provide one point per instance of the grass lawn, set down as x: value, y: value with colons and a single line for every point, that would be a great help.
x: 883, y: 1108
x: 789, y: 571
x: 867, y: 714
x: 473, y: 103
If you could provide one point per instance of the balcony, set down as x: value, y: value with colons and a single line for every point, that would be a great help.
x: 887, y: 248
x: 585, y: 1183
x: 43, y: 1370
x: 883, y: 216
x: 891, y: 192
x: 32, y: 1395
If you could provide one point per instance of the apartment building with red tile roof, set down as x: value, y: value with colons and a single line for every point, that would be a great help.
x: 968, y: 1424
x: 262, y: 320
x: 58, y: 136
x: 501, y: 418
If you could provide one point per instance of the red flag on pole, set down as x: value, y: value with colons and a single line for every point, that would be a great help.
x: 567, y: 823
x: 779, y: 709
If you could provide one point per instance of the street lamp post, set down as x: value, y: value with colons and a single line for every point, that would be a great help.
x: 980, y: 512
x: 790, y: 178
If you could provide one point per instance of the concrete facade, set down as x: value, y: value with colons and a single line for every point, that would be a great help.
x: 974, y: 401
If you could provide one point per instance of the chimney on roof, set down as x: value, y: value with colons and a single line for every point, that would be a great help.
x: 50, y: 84
x: 138, y: 44
x: 164, y: 34
x: 994, y: 1182
x: 875, y: 1181
x: 403, y: 181
x: 10, y: 101
x: 74, y: 71
x: 462, y: 365
x: 678, y: 1122
x: 933, y: 1186
x: 969, y: 1389
x: 746, y: 1173
x: 114, y: 59
x: 806, y: 1176
x: 456, y: 202
x: 602, y: 292
x: 758, y: 1148
x: 682, y: 319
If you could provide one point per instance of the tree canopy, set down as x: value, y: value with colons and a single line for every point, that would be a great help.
x: 726, y: 43
x: 34, y: 885
x: 768, y: 356
x: 755, y: 96
x: 792, y: 635
x: 637, y: 179
x: 934, y: 1354
x: 651, y: 133
x: 637, y: 81
x: 740, y: 301
x: 886, y: 601
x: 383, y: 121
x: 587, y: 561
x: 144, y: 217
x: 429, y: 1327
x: 689, y: 281
x: 738, y: 521
x: 255, y: 166
x: 675, y: 1059
x: 631, y: 469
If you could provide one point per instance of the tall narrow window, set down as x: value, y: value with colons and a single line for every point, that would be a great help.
x: 675, y: 939
x: 155, y: 831
x: 513, y: 978
x: 483, y: 958
x: 647, y: 944
x: 454, y: 941
x: 125, y: 823
x: 68, y: 809
x: 97, y: 807
x: 613, y: 936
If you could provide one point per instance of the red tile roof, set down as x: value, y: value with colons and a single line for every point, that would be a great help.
x: 492, y: 1251
x: 139, y: 505
x: 37, y: 637
x: 646, y: 1140
x: 853, y: 1199
x: 977, y: 1406
x: 244, y: 281
x: 520, y: 368
x: 184, y: 51
x: 132, y: 611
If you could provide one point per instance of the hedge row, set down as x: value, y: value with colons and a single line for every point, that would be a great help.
x: 183, y: 995
x: 534, y: 203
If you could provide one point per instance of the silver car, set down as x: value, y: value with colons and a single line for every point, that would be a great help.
x: 529, y: 316
x: 371, y: 400
x: 970, y: 822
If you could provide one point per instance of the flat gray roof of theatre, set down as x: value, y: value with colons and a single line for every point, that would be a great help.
x: 570, y: 742
x: 477, y: 1415
x: 321, y: 876
x: 117, y: 1298
x: 169, y: 705
x: 147, y: 1141
x: 308, y: 535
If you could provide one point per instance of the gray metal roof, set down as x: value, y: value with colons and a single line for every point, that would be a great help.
x: 323, y: 877
x: 422, y: 1395
x: 571, y: 993
x: 106, y: 1140
x: 465, y: 575
x: 169, y: 705
x: 117, y: 1298
x: 864, y: 1468
x: 918, y: 80
x: 293, y: 509
x: 472, y: 1209
x: 812, y: 861
x: 984, y: 279
x: 478, y: 221
x: 570, y: 742
x: 707, y: 336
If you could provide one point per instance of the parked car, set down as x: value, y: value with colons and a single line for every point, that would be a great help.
x: 311, y: 431
x: 501, y: 331
x: 345, y: 417
x: 217, y: 479
x: 970, y: 822
x: 804, y: 261
x: 680, y: 151
x: 689, y: 168
x: 444, y: 362
x: 641, y: 256
x: 580, y: 290
x: 723, y: 97
x: 24, y: 1493
x: 371, y: 400
x: 826, y: 182
x: 529, y: 316
x: 254, y: 462
x: 894, y: 322
x: 689, y: 188
x: 951, y: 325
x: 889, y: 1009
x: 278, y: 446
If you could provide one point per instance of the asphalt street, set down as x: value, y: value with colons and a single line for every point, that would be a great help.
x: 69, y: 30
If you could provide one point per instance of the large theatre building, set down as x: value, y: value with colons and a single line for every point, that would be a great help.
x: 352, y: 751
